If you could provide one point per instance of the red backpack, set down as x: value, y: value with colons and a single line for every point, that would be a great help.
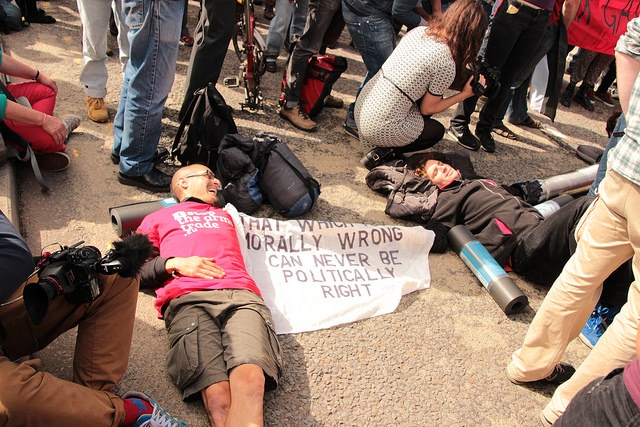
x: 322, y: 73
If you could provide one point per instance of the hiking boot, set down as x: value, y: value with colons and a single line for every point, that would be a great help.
x: 159, y: 417
x: 487, y: 142
x: 561, y: 373
x: 333, y: 102
x: 597, y: 323
x: 96, y: 110
x: 582, y: 98
x: 71, y: 123
x: 605, y: 98
x: 297, y: 117
x: 464, y: 137
x: 567, y: 96
x: 53, y: 162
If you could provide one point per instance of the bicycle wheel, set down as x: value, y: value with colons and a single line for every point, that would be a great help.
x: 238, y: 40
x: 259, y: 48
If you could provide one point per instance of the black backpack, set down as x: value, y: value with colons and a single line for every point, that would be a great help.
x: 207, y: 120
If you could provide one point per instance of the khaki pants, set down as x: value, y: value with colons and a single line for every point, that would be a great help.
x: 609, y: 234
x: 105, y: 328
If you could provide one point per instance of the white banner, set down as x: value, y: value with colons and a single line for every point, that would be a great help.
x: 316, y: 274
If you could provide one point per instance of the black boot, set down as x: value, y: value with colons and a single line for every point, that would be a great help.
x: 566, y: 97
x: 582, y: 97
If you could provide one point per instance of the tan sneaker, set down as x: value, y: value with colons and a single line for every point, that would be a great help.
x: 96, y: 110
x: 297, y: 117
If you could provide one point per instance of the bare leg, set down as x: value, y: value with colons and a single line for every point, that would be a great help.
x: 247, y: 396
x: 217, y: 400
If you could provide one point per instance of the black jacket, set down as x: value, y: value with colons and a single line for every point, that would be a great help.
x: 476, y: 203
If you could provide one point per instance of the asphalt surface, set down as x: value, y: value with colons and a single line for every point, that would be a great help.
x: 439, y: 359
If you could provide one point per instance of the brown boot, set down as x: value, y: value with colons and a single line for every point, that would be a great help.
x: 297, y: 117
x: 96, y: 110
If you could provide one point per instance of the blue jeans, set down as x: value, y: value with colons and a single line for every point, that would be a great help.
x: 375, y: 38
x: 154, y: 35
x: 618, y: 131
x: 14, y: 16
x: 605, y: 401
x: 289, y: 16
x: 318, y: 19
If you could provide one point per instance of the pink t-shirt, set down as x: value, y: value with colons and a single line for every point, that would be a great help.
x: 193, y: 228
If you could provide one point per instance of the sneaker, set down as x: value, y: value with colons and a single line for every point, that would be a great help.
x: 271, y: 67
x: 544, y: 421
x: 614, y: 92
x: 96, y: 110
x: 159, y: 417
x: 333, y: 102
x: 351, y: 131
x: 186, y: 40
x: 597, y: 323
x: 268, y: 12
x: 464, y: 137
x: 561, y: 373
x: 605, y: 98
x: 591, y: 95
x: 487, y: 142
x: 53, y: 162
x: 297, y: 117
x: 71, y: 123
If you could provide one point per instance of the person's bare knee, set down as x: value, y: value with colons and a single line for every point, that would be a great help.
x: 248, y: 380
x: 217, y: 401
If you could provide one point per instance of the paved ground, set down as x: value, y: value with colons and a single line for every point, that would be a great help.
x: 439, y: 359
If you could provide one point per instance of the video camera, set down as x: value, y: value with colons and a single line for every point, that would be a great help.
x: 73, y: 272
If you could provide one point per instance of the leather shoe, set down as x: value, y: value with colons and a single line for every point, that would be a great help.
x: 154, y: 180
x: 161, y: 154
x: 486, y: 141
x: 464, y: 137
x: 376, y: 157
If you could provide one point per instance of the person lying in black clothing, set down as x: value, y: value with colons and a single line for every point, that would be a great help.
x: 439, y: 196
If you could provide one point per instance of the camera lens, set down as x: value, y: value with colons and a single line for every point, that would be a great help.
x: 37, y: 297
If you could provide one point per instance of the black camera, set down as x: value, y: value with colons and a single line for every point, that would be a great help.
x: 491, y: 77
x: 73, y: 273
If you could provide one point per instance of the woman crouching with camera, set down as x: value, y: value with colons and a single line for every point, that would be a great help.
x: 393, y: 111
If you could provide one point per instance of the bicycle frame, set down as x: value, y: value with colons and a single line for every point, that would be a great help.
x: 250, y: 67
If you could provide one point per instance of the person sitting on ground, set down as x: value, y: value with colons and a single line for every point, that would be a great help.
x: 393, y: 110
x: 200, y: 277
x: 45, y: 132
x: 28, y: 395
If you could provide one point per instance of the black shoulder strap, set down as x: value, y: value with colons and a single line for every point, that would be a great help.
x: 25, y: 152
x: 185, y: 121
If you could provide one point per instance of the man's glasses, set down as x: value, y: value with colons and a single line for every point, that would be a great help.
x: 205, y: 172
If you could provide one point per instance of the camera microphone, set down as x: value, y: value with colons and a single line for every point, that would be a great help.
x: 127, y: 256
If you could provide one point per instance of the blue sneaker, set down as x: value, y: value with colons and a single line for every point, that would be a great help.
x: 600, y: 319
x: 159, y: 417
